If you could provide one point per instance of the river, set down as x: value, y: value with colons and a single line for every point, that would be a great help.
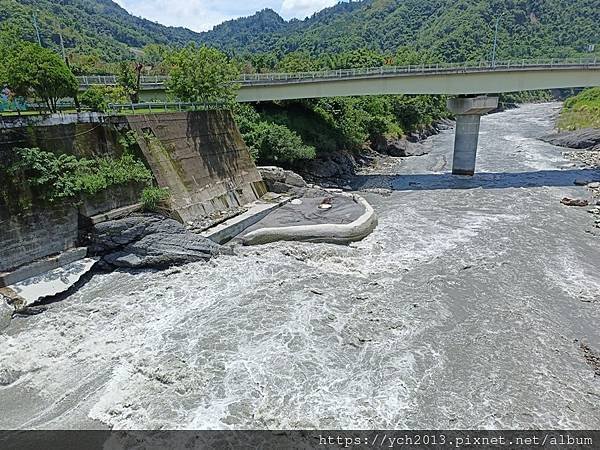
x: 466, y: 308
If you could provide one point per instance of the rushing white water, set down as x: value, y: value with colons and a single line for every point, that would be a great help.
x: 461, y: 310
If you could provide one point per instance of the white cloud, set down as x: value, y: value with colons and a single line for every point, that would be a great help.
x: 202, y: 15
x: 197, y: 15
x: 303, y: 8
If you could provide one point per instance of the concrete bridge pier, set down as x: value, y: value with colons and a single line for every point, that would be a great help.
x: 468, y: 111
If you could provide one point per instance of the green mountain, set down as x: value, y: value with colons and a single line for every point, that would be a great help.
x: 98, y: 28
x: 455, y: 30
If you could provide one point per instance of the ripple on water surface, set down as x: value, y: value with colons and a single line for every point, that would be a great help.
x: 459, y: 311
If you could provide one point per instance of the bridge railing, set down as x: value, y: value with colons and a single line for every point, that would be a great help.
x: 156, y: 107
x: 112, y: 80
x: 470, y: 66
x: 157, y: 81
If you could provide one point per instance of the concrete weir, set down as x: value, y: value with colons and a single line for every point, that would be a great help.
x: 355, y: 220
x: 468, y: 111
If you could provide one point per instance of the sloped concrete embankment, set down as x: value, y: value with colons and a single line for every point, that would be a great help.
x: 199, y: 156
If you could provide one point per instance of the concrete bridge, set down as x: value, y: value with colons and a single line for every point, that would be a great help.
x: 471, y: 82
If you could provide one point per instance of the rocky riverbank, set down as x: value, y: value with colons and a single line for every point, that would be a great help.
x: 586, y: 143
x: 583, y: 139
x: 148, y: 241
x: 336, y: 169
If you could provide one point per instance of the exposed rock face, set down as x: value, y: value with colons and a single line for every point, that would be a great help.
x: 333, y: 165
x: 149, y: 240
x: 399, y: 147
x: 574, y: 202
x: 279, y: 180
x: 431, y: 130
x: 6, y: 313
x: 584, y: 139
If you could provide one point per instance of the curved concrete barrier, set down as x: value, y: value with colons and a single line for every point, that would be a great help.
x: 331, y: 233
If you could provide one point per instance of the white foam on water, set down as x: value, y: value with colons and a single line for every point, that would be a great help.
x: 294, y: 335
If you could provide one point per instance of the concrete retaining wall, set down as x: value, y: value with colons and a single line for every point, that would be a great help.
x: 199, y: 156
x: 35, y: 234
x: 43, y: 230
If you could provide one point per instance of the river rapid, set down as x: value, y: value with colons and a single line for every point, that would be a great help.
x: 466, y: 308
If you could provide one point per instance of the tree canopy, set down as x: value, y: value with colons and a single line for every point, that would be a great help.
x: 201, y: 74
x: 39, y: 72
x: 98, y: 33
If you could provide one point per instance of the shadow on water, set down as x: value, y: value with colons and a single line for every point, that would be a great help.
x: 484, y: 180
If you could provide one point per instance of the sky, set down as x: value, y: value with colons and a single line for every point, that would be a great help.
x: 202, y: 15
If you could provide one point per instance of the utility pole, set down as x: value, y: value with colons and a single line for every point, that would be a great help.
x: 62, y: 47
x: 37, y: 30
x: 64, y: 55
x: 495, y: 43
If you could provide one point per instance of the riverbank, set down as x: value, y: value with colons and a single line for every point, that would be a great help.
x: 462, y: 277
x: 336, y: 169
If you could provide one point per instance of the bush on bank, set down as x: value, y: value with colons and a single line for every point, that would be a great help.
x: 581, y: 111
x: 53, y: 177
x: 153, y: 196
x: 97, y: 98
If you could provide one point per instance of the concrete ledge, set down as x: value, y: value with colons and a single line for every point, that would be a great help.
x: 331, y: 233
x: 53, y: 282
x: 115, y: 213
x: 42, y: 266
x: 227, y: 230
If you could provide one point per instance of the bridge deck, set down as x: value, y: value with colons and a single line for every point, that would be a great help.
x: 451, y: 79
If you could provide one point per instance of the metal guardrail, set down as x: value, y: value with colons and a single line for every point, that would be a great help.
x: 422, y: 69
x: 112, y: 80
x: 152, y: 107
x: 157, y: 81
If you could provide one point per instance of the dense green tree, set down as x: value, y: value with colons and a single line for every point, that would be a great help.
x: 201, y: 74
x: 362, y: 57
x: 300, y: 61
x: 273, y: 143
x: 39, y: 72
x: 154, y: 56
x: 270, y: 142
x: 97, y: 98
x: 129, y: 77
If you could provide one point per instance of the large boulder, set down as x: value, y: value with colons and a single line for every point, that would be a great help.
x: 279, y: 180
x: 574, y: 202
x: 293, y: 179
x: 338, y: 164
x: 6, y: 312
x: 401, y: 147
x: 584, y: 139
x: 271, y: 174
x: 148, y: 240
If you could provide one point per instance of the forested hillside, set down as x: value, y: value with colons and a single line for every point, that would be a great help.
x: 453, y: 30
x: 98, y: 34
x: 98, y: 29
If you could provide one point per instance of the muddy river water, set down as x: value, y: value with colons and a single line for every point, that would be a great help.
x: 466, y: 308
